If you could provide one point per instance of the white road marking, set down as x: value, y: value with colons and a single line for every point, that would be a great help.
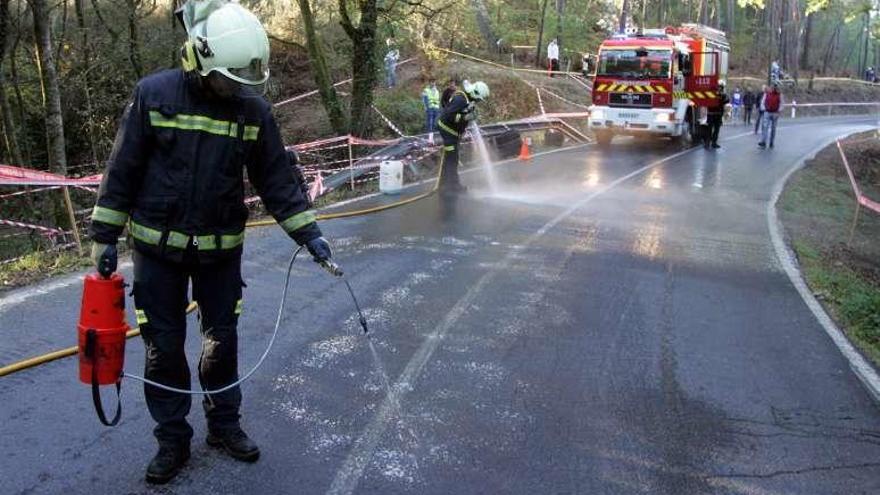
x: 19, y: 296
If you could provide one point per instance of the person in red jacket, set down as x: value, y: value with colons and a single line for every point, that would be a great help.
x: 771, y: 106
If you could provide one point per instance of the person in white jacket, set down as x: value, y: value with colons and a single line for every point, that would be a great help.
x: 552, y: 57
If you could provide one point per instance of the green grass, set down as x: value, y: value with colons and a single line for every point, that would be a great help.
x: 39, y: 265
x: 853, y: 301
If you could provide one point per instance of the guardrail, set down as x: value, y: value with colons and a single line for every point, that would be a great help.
x: 828, y: 109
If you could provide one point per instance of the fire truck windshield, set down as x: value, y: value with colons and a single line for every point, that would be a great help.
x: 634, y: 63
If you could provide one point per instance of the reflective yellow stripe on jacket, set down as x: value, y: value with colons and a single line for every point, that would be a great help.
x: 299, y: 220
x: 109, y: 216
x: 180, y: 240
x: 203, y: 124
x: 446, y: 128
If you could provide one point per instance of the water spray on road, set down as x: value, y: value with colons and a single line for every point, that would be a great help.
x: 484, y: 158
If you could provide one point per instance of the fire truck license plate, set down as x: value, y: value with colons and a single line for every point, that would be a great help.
x: 628, y: 116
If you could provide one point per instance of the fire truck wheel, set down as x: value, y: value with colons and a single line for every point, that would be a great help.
x: 604, y: 138
x: 688, y: 135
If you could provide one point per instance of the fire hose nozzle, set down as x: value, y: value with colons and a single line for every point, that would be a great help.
x: 331, y: 267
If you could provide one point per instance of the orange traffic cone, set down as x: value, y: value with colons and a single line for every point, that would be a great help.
x: 524, y: 153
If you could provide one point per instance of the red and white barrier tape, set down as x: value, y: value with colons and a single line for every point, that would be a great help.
x: 861, y: 198
x: 48, y: 231
x: 22, y: 193
x: 388, y: 122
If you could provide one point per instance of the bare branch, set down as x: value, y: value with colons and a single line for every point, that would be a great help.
x: 113, y: 33
x: 345, y: 22
x: 286, y: 42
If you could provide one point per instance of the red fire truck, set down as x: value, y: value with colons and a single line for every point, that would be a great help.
x: 657, y: 82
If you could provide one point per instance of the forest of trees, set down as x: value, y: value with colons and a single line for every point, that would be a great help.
x: 67, y: 67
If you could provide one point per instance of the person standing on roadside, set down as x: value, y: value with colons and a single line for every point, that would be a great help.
x: 715, y: 118
x: 771, y: 104
x: 391, y: 58
x: 748, y: 106
x: 448, y: 93
x: 175, y: 179
x: 552, y: 57
x: 431, y: 101
x: 758, y: 99
x: 737, y: 102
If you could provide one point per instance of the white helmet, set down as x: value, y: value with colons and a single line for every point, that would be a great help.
x: 478, y: 90
x: 227, y: 38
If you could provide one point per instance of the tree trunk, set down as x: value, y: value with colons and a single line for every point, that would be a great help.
x: 867, y: 38
x: 59, y: 51
x: 86, y: 79
x: 9, y: 129
x: 134, y: 44
x: 57, y: 157
x: 560, y: 16
x: 541, y: 35
x: 704, y: 12
x: 624, y: 16
x: 484, y: 23
x: 808, y: 34
x: 52, y: 91
x: 832, y: 48
x: 329, y: 98
x: 731, y: 17
x: 794, y: 35
x: 363, y: 63
x: 19, y: 99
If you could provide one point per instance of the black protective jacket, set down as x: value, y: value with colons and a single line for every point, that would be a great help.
x: 453, y: 119
x: 176, y: 171
x: 717, y: 110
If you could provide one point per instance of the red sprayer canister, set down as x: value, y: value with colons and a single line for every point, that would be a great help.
x: 102, y: 329
x: 101, y: 334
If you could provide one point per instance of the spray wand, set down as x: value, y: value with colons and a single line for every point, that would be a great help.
x: 334, y: 270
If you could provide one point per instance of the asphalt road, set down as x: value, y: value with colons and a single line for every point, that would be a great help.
x: 611, y: 321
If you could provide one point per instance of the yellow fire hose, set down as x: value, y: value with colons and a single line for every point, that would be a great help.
x: 62, y: 353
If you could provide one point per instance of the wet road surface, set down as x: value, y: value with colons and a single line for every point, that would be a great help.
x: 611, y: 321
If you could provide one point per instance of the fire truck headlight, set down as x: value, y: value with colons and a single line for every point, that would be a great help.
x: 662, y: 117
x: 597, y: 114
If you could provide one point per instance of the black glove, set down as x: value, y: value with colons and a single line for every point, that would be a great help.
x: 319, y: 248
x: 105, y: 258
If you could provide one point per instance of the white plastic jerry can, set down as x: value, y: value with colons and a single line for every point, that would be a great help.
x: 391, y: 176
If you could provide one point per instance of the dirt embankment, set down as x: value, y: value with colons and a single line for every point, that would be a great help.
x: 839, y: 253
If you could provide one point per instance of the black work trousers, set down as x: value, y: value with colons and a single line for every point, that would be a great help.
x: 449, y: 160
x: 160, y: 294
x: 714, y: 122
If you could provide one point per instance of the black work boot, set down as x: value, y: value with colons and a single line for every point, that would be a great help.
x: 167, y: 463
x: 236, y: 443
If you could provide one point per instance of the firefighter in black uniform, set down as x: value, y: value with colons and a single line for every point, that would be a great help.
x: 456, y: 115
x: 715, y: 117
x: 175, y: 177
